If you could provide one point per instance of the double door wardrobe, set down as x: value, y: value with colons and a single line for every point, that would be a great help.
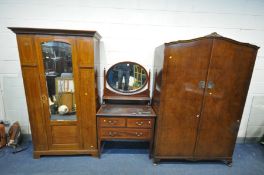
x: 199, y: 94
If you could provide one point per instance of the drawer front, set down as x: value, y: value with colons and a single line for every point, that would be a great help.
x: 112, y: 122
x: 139, y: 123
x: 124, y: 133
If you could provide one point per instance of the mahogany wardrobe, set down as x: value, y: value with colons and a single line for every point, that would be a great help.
x: 200, y: 90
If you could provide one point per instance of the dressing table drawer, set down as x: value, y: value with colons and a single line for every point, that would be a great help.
x: 139, y: 123
x: 112, y: 122
x: 125, y: 133
x: 125, y: 122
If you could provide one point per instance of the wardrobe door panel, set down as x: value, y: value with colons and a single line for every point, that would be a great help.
x: 86, y: 46
x: 31, y: 80
x: 26, y: 50
x: 185, y: 68
x: 65, y: 137
x: 57, y: 69
x: 59, y: 75
x: 35, y: 108
x: 228, y: 80
x: 88, y: 108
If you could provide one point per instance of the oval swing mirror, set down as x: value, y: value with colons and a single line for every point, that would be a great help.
x: 127, y: 77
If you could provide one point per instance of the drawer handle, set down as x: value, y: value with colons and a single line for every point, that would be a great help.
x: 139, y: 123
x: 111, y: 122
x: 112, y: 134
x: 139, y: 134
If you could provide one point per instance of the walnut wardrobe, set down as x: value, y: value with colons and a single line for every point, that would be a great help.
x: 59, y: 73
x: 199, y: 94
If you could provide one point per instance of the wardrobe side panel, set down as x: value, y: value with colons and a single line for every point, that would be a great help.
x: 157, y: 77
x: 87, y: 95
x: 97, y: 71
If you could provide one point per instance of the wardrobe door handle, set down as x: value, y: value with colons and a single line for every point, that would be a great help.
x: 210, y: 85
x: 202, y: 84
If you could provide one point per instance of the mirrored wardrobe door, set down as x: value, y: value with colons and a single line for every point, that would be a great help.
x: 56, y: 58
x: 57, y: 61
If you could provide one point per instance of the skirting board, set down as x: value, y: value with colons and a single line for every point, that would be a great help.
x: 248, y: 140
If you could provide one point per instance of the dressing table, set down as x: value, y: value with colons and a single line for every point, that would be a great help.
x: 126, y: 113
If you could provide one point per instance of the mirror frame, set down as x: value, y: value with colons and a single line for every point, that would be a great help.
x: 128, y: 92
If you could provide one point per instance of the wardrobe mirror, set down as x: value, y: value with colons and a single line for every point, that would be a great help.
x: 127, y: 77
x: 57, y: 61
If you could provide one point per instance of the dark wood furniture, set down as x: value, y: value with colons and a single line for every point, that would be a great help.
x: 200, y: 90
x: 125, y: 116
x: 125, y: 122
x: 56, y: 130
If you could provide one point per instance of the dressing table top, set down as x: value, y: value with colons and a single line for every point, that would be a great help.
x: 126, y: 110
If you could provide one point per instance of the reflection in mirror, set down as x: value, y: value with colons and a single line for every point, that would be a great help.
x: 57, y: 59
x: 127, y: 77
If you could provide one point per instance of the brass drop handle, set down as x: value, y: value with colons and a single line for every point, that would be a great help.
x: 139, y: 134
x: 140, y: 123
x: 111, y: 122
x: 44, y: 98
x: 112, y: 133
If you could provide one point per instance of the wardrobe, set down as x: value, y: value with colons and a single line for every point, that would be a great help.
x: 59, y: 70
x: 199, y: 94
